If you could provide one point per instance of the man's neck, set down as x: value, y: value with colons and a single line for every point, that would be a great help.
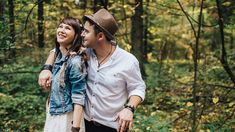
x: 103, y: 49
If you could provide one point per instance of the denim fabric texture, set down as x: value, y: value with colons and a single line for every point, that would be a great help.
x: 73, y: 92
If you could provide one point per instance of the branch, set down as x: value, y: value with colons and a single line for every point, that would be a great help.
x: 126, y: 28
x: 18, y: 72
x: 27, y: 18
x: 186, y: 14
x: 195, y: 60
x: 226, y: 119
x: 179, y: 117
x: 171, y: 7
x: 223, y: 58
x: 222, y: 86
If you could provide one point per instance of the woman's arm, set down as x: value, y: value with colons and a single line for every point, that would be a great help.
x: 78, y: 86
x: 44, y: 79
x: 77, y: 115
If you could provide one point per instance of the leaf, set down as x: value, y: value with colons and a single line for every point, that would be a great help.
x: 227, y: 3
x: 231, y: 104
x: 215, y: 100
x: 189, y: 104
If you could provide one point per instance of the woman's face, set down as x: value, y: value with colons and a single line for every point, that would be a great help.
x: 65, y: 35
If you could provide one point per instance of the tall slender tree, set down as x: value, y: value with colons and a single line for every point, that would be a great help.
x: 40, y: 25
x: 12, y: 20
x: 104, y: 3
x: 145, y: 50
x: 137, y: 35
x: 223, y: 58
x: 2, y: 10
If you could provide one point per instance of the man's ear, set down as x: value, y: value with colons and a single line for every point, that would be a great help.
x: 101, y: 36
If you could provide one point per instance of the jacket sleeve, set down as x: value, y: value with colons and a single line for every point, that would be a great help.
x: 77, y: 80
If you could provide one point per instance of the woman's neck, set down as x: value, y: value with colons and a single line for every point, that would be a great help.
x: 64, y: 49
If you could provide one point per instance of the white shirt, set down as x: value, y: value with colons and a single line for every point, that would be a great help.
x: 110, y: 86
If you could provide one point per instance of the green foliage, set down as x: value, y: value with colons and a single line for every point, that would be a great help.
x: 22, y: 113
x: 170, y: 71
x: 22, y: 101
x: 151, y: 122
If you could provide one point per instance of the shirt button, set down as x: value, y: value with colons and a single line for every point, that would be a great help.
x: 98, y: 71
x: 95, y: 83
x: 93, y: 95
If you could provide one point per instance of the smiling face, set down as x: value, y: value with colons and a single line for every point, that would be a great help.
x: 65, y: 35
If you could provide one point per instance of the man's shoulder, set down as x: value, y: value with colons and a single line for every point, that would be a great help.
x: 125, y: 54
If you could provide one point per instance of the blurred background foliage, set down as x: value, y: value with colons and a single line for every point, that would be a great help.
x: 159, y: 33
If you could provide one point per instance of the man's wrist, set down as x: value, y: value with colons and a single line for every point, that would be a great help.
x: 129, y: 107
x: 47, y: 67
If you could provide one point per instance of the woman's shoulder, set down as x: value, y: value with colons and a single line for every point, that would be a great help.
x: 75, y: 60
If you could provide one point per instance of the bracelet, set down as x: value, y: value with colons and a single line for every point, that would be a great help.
x: 129, y: 107
x: 47, y: 67
x: 75, y: 129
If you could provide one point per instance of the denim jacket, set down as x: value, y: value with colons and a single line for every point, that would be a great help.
x: 73, y: 92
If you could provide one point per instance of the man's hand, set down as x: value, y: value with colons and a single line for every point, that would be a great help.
x: 44, y: 79
x: 125, y: 118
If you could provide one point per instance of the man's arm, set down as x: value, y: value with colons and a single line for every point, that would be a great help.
x: 126, y: 115
x: 136, y: 92
x: 44, y: 79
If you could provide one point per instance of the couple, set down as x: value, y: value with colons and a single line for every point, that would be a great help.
x: 113, y: 85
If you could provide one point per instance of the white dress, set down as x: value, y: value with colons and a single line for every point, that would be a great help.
x: 60, y: 123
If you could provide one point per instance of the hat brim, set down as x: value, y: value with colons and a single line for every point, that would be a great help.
x: 91, y: 18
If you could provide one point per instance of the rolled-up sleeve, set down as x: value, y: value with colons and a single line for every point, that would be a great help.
x: 135, y: 83
x: 78, y: 81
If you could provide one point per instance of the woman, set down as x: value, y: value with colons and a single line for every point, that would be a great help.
x: 68, y: 80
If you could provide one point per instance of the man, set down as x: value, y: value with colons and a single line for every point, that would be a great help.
x: 114, y: 83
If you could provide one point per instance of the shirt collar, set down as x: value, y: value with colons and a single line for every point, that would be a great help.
x: 113, y: 56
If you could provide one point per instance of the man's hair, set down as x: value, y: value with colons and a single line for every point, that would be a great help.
x: 97, y: 29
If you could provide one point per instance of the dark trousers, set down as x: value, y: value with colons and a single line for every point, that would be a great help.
x: 92, y: 126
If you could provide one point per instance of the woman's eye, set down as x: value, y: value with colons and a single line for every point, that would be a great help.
x: 68, y: 28
x: 60, y: 26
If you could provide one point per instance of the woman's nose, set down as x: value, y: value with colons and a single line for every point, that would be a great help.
x: 83, y: 33
x: 61, y: 30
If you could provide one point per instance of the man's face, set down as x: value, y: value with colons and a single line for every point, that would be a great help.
x: 89, y: 37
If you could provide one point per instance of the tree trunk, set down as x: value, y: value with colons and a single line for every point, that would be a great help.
x: 137, y: 35
x: 2, y: 10
x: 195, y: 59
x: 40, y: 24
x: 231, y: 40
x: 95, y: 6
x: 104, y: 3
x: 12, y: 20
x: 12, y: 51
x: 145, y: 50
x: 223, y: 58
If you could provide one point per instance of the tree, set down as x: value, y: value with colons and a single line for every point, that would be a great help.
x: 137, y: 35
x: 40, y: 24
x: 1, y: 10
x: 223, y: 58
x: 12, y: 20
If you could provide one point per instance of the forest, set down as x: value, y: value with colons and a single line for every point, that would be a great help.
x: 186, y: 50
